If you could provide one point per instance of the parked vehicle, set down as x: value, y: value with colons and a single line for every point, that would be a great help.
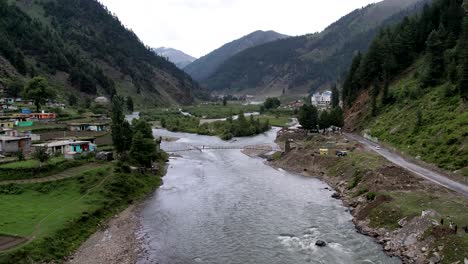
x: 341, y: 153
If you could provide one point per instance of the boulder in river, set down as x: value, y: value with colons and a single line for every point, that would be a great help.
x: 336, y: 195
x: 320, y: 243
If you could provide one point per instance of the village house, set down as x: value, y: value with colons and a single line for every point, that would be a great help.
x: 97, y: 127
x: 15, y: 133
x: 11, y: 145
x: 7, y: 124
x: 294, y: 105
x: 9, y: 101
x: 322, y: 100
x: 69, y: 148
x: 24, y: 102
x: 43, y: 117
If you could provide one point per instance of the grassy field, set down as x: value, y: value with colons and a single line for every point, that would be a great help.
x: 279, y: 121
x: 438, y: 134
x: 29, y: 164
x: 41, y: 209
x: 60, y: 215
x: 40, y: 127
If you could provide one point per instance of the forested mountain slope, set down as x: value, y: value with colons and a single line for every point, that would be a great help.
x: 411, y: 88
x: 208, y: 64
x: 300, y: 64
x: 80, y: 47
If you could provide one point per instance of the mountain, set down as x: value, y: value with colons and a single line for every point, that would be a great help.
x: 208, y: 64
x: 410, y: 90
x: 83, y: 49
x: 179, y: 58
x: 300, y: 64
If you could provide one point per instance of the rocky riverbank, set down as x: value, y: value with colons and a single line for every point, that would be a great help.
x: 115, y: 243
x: 400, y: 210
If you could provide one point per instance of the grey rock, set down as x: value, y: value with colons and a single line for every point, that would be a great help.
x: 320, y: 243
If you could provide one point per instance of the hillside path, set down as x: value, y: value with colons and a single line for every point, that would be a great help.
x: 420, y: 171
x: 68, y: 173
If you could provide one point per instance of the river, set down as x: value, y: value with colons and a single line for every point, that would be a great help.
x: 221, y: 207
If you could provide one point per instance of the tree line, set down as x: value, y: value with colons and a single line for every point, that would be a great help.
x: 240, y: 127
x: 439, y: 35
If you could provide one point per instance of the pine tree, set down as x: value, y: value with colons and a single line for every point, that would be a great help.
x: 351, y: 83
x: 335, y: 100
x: 121, y: 131
x: 434, y: 58
x: 308, y: 117
x: 130, y: 106
x: 324, y: 120
x: 463, y: 83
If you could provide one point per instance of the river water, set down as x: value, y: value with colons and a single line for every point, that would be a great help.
x: 222, y: 207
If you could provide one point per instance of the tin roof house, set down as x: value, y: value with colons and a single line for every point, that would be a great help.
x: 10, y: 145
x: 70, y: 148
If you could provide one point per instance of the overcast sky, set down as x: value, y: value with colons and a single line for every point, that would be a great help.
x: 197, y: 27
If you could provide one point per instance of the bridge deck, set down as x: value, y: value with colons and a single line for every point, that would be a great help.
x: 210, y: 147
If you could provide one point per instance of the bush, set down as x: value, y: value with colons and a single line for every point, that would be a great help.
x: 11, y: 189
x: 356, y: 180
x: 371, y: 196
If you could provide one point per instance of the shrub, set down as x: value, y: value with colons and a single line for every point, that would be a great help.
x: 371, y: 196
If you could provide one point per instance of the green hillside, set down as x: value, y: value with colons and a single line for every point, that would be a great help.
x: 205, y: 66
x: 410, y: 89
x: 82, y: 48
x: 300, y: 64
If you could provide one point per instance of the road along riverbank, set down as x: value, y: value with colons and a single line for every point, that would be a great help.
x: 411, y: 217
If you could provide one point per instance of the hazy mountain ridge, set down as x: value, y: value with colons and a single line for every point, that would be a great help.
x: 300, y: 64
x: 179, y: 58
x: 208, y: 64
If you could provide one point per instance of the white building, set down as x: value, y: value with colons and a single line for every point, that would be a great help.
x: 322, y: 100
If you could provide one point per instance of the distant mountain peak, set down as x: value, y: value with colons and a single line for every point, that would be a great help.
x: 179, y: 58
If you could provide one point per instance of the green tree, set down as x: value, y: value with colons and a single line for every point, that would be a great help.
x: 434, y: 58
x: 272, y: 103
x: 336, y: 117
x: 143, y: 151
x: 324, y: 120
x: 72, y: 100
x: 335, y: 100
x: 38, y: 90
x: 121, y: 130
x: 308, y: 117
x: 130, y: 106
x: 40, y: 154
x: 143, y: 127
x: 224, y: 101
x: 463, y: 83
x: 15, y: 87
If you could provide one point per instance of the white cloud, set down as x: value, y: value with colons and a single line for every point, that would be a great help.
x: 199, y: 26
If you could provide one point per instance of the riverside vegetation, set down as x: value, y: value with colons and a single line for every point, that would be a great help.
x: 241, y: 127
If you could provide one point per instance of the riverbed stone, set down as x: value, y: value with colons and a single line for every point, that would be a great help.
x: 320, y: 243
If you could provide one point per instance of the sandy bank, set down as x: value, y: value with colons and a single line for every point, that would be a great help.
x: 114, y: 243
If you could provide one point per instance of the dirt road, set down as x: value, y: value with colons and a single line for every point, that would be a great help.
x: 410, y: 166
